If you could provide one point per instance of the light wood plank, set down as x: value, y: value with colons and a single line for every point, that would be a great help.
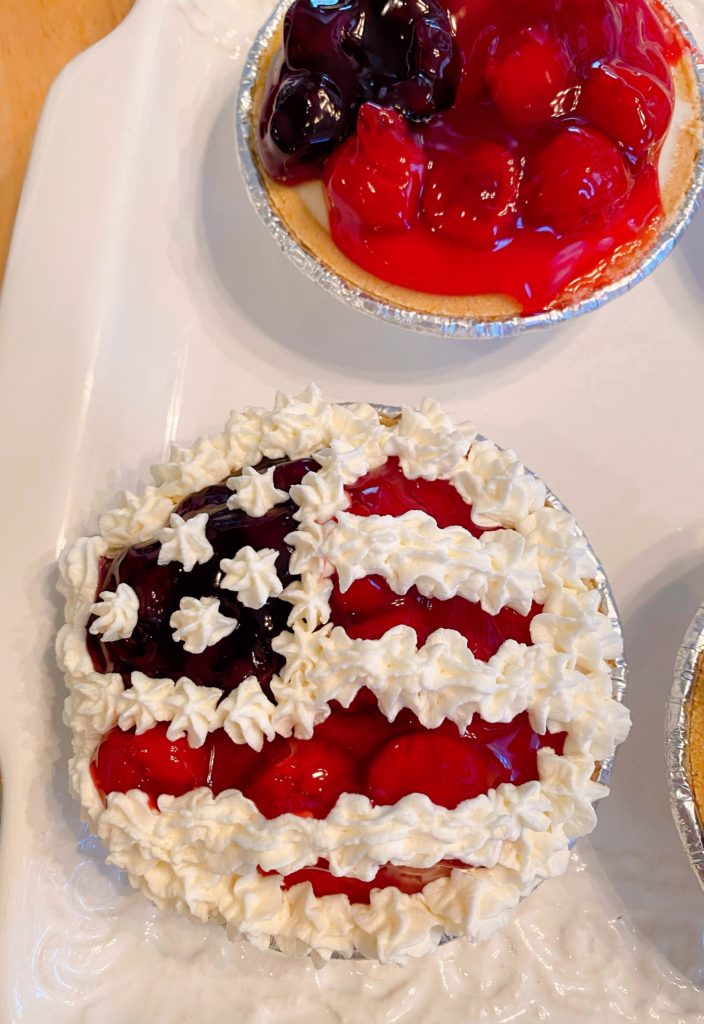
x: 37, y: 38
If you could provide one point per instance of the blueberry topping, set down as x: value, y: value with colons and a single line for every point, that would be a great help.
x: 338, y: 55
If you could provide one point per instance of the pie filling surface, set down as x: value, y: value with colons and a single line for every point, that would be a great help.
x: 495, y: 147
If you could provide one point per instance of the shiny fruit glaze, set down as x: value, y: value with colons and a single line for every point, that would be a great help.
x: 356, y: 749
x: 525, y: 176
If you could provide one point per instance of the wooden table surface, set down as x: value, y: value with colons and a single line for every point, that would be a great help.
x: 37, y: 37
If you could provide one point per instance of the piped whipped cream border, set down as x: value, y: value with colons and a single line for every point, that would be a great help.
x: 200, y: 853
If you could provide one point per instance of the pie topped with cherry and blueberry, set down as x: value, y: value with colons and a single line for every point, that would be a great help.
x: 485, y: 159
x: 340, y: 680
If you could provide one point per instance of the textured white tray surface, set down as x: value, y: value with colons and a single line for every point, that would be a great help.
x: 143, y: 300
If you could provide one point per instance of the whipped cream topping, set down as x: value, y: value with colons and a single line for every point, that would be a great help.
x: 199, y: 853
x: 198, y: 623
x: 496, y: 570
x: 184, y: 540
x: 117, y: 612
x: 252, y: 575
x: 255, y: 492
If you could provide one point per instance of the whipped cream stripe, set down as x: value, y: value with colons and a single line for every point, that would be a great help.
x: 183, y: 857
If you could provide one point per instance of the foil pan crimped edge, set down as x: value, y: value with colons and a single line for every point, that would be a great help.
x: 619, y: 671
x: 429, y: 323
x: 684, y: 810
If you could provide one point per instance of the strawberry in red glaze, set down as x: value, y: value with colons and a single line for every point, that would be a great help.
x: 473, y: 199
x: 306, y: 779
x: 629, y: 105
x: 150, y: 762
x: 527, y: 73
x: 576, y: 177
x: 231, y: 765
x: 377, y: 175
x: 444, y: 768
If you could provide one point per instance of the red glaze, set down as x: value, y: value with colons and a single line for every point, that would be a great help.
x: 150, y: 762
x: 378, y: 173
x: 408, y: 880
x: 446, y: 768
x: 356, y: 750
x: 578, y: 174
x: 306, y: 779
x: 497, y: 200
x: 387, y: 492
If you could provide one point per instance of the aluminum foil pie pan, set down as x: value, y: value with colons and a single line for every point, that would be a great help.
x: 619, y: 670
x: 432, y: 323
x: 682, y: 802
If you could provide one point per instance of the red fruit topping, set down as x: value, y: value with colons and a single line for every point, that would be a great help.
x: 408, y: 880
x: 150, y: 762
x: 387, y: 492
x: 376, y: 176
x: 577, y: 176
x: 232, y: 764
x: 369, y: 608
x: 445, y: 768
x: 473, y: 199
x: 629, y: 105
x: 306, y: 779
x: 526, y: 75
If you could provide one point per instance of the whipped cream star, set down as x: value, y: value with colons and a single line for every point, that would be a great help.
x: 248, y: 714
x: 252, y: 575
x: 198, y: 623
x: 117, y: 611
x: 194, y: 711
x: 144, y: 703
x: 350, y: 461
x: 310, y: 598
x: 255, y: 492
x: 184, y: 540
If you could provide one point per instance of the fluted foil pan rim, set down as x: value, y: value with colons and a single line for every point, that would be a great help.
x: 432, y: 323
x: 619, y: 671
x: 682, y: 804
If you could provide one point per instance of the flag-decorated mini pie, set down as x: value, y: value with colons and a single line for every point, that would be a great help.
x: 340, y: 679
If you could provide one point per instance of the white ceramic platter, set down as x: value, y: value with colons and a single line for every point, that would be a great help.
x: 142, y: 301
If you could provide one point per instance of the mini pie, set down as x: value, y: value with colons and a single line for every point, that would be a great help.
x: 339, y: 680
x: 477, y: 160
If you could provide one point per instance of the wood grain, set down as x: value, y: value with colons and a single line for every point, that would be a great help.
x: 37, y: 38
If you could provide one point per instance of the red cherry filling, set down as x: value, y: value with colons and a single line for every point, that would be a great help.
x: 408, y: 880
x: 579, y: 175
x: 474, y: 199
x: 489, y: 160
x: 355, y: 750
x: 629, y: 105
x: 459, y: 771
x: 306, y: 779
x: 526, y: 75
x: 150, y: 762
x: 376, y: 177
x: 387, y: 492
